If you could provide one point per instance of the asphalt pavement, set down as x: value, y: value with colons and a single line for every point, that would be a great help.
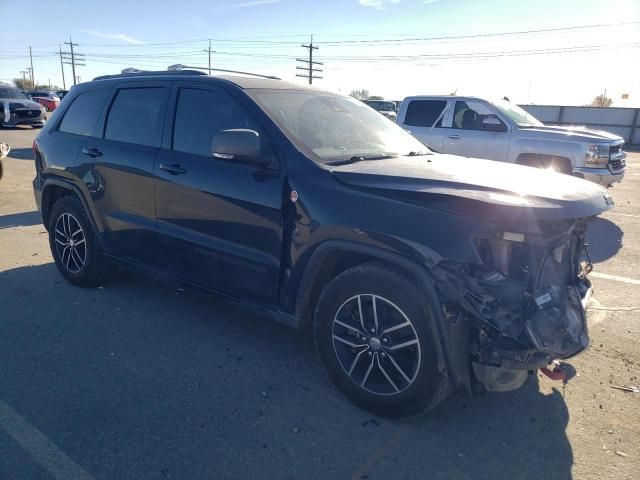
x: 144, y: 378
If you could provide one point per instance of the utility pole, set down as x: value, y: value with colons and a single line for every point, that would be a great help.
x: 33, y: 77
x: 208, y: 50
x: 73, y: 58
x: 24, y: 74
x: 64, y: 85
x: 309, y: 64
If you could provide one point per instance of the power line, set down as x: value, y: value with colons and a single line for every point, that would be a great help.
x: 310, y: 75
x: 73, y: 58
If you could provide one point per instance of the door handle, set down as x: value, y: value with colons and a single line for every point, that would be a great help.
x: 453, y: 137
x: 92, y: 152
x: 172, y: 168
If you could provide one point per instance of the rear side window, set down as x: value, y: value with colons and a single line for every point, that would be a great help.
x: 424, y: 113
x: 136, y: 116
x: 81, y: 117
x: 200, y: 114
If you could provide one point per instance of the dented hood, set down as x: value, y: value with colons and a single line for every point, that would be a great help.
x: 512, y: 189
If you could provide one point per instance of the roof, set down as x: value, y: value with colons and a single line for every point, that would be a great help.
x: 244, y: 82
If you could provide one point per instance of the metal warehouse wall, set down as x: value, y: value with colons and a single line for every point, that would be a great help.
x: 620, y: 121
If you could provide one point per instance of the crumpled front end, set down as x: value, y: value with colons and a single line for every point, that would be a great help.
x: 525, y: 301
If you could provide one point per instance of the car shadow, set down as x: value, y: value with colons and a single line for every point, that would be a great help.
x: 24, y: 219
x: 21, y: 154
x: 216, y: 391
x: 604, y: 238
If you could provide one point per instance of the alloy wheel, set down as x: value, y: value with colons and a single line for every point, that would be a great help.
x: 71, y: 244
x: 376, y: 344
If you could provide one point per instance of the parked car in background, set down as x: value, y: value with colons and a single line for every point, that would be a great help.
x: 49, y: 100
x: 419, y: 272
x: 17, y: 109
x: 61, y: 93
x: 388, y: 109
x: 500, y: 130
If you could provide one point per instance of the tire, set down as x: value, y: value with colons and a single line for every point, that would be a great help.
x: 384, y: 390
x: 82, y: 262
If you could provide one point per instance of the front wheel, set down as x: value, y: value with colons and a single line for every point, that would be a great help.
x: 75, y: 246
x: 374, y: 341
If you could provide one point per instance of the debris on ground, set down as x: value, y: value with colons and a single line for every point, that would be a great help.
x: 622, y: 454
x: 630, y: 388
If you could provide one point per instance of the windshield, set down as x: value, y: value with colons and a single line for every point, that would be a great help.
x: 8, y: 92
x: 521, y: 117
x: 334, y: 127
x: 382, y: 106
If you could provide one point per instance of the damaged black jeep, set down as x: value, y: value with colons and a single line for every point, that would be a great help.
x: 419, y: 272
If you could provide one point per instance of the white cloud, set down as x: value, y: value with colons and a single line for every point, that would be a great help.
x: 377, y: 4
x: 114, y: 36
x: 427, y: 2
x: 251, y: 3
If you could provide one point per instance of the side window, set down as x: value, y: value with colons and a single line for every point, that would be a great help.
x: 424, y: 113
x: 136, y: 116
x: 200, y: 114
x: 81, y: 117
x: 469, y: 115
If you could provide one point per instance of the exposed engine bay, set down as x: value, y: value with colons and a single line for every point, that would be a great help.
x: 525, y: 301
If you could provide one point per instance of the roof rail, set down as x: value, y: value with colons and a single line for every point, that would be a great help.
x: 180, y: 68
x: 134, y: 72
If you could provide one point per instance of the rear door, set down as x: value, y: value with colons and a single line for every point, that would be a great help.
x: 119, y: 167
x: 423, y: 118
x: 219, y: 221
x: 468, y: 138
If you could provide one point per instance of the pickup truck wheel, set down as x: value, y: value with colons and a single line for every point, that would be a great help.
x: 372, y: 337
x: 75, y: 246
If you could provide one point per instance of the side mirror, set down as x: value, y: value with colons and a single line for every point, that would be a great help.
x: 237, y: 144
x: 492, y: 124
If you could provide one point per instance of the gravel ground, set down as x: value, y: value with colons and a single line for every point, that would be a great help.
x: 140, y: 379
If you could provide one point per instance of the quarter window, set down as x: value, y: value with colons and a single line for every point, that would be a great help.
x: 81, y: 117
x: 424, y: 113
x: 200, y: 114
x: 136, y: 116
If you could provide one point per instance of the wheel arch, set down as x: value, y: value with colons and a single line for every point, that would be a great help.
x: 55, y: 189
x: 540, y: 160
x: 333, y: 257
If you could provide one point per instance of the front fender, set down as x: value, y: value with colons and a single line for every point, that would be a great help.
x: 450, y: 338
x: 557, y: 148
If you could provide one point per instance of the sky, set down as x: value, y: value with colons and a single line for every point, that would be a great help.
x: 544, y: 51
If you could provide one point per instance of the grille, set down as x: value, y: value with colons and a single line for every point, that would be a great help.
x: 617, y: 164
x: 27, y: 113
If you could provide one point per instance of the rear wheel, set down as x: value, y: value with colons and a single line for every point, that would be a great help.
x: 375, y: 343
x: 75, y: 246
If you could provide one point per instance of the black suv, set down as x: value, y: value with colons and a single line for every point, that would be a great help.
x: 419, y: 272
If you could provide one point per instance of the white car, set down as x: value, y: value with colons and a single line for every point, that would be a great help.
x: 500, y: 130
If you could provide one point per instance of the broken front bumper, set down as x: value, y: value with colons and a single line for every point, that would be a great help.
x: 525, y: 304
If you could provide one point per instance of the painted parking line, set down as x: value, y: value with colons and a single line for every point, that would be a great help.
x: 43, y: 450
x: 615, y: 278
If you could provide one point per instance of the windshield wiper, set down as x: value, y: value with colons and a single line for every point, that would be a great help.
x: 358, y: 158
x: 418, y: 154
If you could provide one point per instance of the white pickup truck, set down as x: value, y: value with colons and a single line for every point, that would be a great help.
x: 500, y: 130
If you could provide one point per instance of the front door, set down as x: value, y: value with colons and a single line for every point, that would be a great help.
x: 219, y: 221
x: 468, y: 138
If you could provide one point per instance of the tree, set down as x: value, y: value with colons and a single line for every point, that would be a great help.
x: 375, y: 97
x: 22, y: 84
x: 361, y: 94
x: 601, y: 101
